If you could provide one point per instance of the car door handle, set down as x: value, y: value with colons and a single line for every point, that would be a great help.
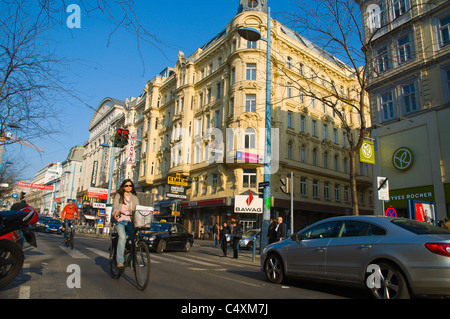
x: 321, y: 249
x: 365, y: 246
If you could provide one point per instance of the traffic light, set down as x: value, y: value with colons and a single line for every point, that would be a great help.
x: 285, y: 185
x: 125, y: 135
x: 120, y: 138
x: 22, y: 196
x: 117, y: 139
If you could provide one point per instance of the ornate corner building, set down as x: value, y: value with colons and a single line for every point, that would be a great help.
x: 204, y: 120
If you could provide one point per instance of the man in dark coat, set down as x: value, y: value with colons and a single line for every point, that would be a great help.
x: 281, y: 229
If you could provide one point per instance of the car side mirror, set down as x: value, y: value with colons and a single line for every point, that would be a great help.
x: 294, y: 237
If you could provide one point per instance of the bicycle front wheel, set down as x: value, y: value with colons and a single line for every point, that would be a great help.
x: 72, y: 238
x: 142, y: 265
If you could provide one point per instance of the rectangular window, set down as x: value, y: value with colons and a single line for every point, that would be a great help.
x: 444, y: 30
x: 303, y: 123
x: 387, y: 106
x: 405, y: 47
x: 290, y: 151
x: 337, y: 193
x: 303, y: 187
x: 290, y: 119
x: 382, y: 59
x: 214, y: 184
x: 316, y: 189
x: 314, y: 128
x: 326, y: 191
x: 250, y: 103
x: 400, y: 7
x: 346, y: 194
x: 249, y: 178
x: 408, y: 98
x: 251, y: 72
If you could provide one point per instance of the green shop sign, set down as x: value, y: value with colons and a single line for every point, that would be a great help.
x: 400, y: 197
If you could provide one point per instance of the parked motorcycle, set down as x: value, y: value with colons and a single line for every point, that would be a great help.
x: 11, y: 253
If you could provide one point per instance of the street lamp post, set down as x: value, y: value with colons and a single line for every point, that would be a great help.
x: 250, y: 34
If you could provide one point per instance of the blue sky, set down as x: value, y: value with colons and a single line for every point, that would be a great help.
x: 117, y: 71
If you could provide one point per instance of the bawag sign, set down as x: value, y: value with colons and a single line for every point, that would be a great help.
x: 248, y: 204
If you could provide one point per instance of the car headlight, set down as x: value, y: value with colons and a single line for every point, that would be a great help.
x: 149, y: 238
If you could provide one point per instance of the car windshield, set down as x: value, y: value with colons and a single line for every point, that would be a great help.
x: 419, y: 228
x: 160, y: 227
x: 250, y: 232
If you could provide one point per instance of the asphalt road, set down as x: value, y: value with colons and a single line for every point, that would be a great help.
x: 201, y: 274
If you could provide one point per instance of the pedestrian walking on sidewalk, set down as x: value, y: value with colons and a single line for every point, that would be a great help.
x: 216, y: 234
x: 224, y: 231
x: 237, y: 235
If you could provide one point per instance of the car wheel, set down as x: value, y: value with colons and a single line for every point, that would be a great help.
x: 187, y: 246
x: 161, y: 246
x: 273, y: 268
x: 392, y: 283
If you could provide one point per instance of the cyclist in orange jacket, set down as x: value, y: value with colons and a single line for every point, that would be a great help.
x: 68, y: 214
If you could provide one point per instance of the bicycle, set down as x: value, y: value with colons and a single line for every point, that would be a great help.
x: 70, y: 234
x: 137, y: 257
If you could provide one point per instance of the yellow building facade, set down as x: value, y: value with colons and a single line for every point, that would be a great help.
x: 206, y: 118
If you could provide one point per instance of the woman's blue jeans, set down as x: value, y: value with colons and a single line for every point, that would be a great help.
x: 123, y: 228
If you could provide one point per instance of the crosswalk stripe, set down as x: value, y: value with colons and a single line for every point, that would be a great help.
x: 195, y: 261
x: 158, y: 258
x: 99, y: 252
x: 74, y: 253
x: 167, y: 259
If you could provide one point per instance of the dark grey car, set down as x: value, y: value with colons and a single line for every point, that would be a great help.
x: 394, y: 257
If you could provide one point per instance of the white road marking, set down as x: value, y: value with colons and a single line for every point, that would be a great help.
x: 74, y: 253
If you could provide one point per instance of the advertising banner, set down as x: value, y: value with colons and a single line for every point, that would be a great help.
x: 130, y: 149
x: 422, y: 211
x: 248, y: 204
x: 98, y: 193
x: 36, y: 186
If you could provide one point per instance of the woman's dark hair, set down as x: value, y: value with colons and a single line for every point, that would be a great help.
x: 121, y: 190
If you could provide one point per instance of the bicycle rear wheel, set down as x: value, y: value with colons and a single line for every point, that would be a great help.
x: 142, y: 267
x: 114, y: 271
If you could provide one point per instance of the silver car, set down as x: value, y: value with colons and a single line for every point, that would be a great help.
x: 249, y: 238
x: 393, y: 257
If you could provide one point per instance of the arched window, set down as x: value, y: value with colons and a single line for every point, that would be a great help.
x: 250, y: 138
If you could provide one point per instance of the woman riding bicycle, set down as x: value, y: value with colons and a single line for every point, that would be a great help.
x: 124, y: 204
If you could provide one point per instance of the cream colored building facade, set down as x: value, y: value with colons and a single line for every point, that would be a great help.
x: 410, y: 99
x: 204, y: 118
